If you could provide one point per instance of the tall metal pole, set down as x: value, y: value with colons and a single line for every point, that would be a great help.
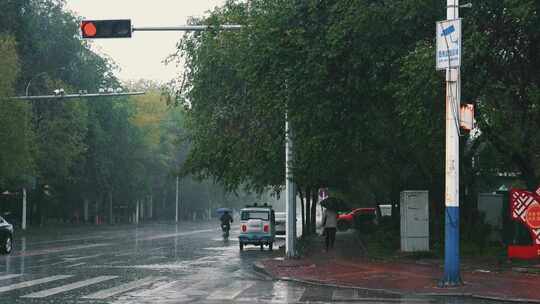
x: 137, y: 214
x: 290, y: 243
x: 452, y: 275
x: 23, y: 224
x: 176, y: 209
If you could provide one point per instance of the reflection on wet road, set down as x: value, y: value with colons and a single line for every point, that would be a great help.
x: 155, y: 263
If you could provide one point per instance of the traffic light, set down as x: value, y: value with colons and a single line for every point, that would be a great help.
x: 106, y: 28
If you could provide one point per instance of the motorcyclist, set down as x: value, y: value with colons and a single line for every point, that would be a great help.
x: 226, y: 220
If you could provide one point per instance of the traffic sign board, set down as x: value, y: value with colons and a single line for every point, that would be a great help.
x: 448, y: 44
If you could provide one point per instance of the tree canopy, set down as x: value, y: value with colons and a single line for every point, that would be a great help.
x: 358, y: 83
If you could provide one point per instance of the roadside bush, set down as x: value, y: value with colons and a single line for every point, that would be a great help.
x: 382, y: 241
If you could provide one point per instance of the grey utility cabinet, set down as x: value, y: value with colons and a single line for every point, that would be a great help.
x: 491, y: 205
x: 414, y: 210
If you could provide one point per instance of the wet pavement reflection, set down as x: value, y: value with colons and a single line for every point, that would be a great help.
x: 156, y: 263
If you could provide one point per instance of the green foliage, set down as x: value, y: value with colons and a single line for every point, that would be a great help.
x: 16, y: 136
x: 362, y: 95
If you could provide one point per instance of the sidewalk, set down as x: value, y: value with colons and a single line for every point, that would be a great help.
x: 341, y: 268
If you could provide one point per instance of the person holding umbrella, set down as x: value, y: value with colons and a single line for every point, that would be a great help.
x: 332, y: 205
x: 226, y: 220
x: 330, y: 227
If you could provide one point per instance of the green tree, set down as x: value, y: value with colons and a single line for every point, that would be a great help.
x: 16, y: 136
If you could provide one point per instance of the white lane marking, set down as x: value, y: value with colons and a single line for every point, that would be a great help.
x: 160, y: 287
x: 68, y: 240
x: 75, y: 265
x: 384, y: 300
x: 57, y: 263
x: 170, y: 235
x: 287, y: 292
x: 58, y: 249
x: 68, y: 287
x: 9, y: 276
x: 230, y: 292
x: 33, y: 282
x: 103, y: 294
x: 281, y: 292
x: 344, y: 294
x: 202, y: 287
x: 222, y: 240
x: 71, y: 259
x: 157, y: 249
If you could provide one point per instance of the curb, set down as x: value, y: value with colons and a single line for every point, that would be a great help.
x: 260, y: 268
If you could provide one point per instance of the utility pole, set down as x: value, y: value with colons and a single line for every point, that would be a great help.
x: 452, y: 275
x: 23, y: 222
x: 137, y: 212
x: 290, y: 243
x: 176, y: 209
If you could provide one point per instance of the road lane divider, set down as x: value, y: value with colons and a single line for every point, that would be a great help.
x: 29, y: 253
x: 231, y: 291
x: 75, y: 265
x: 61, y: 289
x: 33, y: 283
x: 170, y: 235
x: 159, y: 288
x: 107, y: 293
x: 9, y: 276
x: 72, y: 259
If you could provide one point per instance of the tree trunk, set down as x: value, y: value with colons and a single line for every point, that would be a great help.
x: 308, y: 208
x: 302, y: 200
x: 314, y: 198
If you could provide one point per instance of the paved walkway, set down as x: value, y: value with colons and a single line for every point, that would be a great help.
x: 404, y: 277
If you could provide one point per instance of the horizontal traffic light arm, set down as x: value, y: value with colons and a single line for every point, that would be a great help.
x: 186, y: 28
x: 121, y: 28
x: 72, y: 96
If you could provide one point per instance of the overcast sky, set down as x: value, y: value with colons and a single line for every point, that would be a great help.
x: 142, y: 56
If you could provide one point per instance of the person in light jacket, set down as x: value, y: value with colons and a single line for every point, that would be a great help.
x: 330, y: 224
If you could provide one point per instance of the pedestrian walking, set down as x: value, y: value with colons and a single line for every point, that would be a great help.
x: 329, y: 224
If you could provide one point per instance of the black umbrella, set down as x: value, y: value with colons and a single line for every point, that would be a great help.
x: 336, y: 204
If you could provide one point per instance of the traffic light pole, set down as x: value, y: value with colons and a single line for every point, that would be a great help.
x: 185, y: 28
x: 72, y: 96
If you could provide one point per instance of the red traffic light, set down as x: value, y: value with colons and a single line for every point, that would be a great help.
x: 88, y: 29
x: 106, y: 28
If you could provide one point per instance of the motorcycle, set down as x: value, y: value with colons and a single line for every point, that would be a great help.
x: 225, y: 229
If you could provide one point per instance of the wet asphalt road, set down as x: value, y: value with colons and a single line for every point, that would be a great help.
x: 155, y: 263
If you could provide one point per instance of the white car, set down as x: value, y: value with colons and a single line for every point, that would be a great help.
x: 281, y: 218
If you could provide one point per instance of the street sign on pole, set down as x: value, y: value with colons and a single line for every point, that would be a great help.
x: 448, y: 44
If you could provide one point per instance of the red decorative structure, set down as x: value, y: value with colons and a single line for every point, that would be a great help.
x: 525, y: 208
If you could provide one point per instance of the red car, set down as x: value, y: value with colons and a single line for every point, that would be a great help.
x: 357, y: 217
